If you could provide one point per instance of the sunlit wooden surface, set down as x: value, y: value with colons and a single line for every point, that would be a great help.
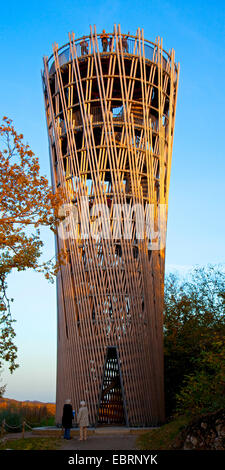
x: 110, y: 112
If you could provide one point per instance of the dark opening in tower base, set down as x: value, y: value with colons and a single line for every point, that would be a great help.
x: 111, y: 408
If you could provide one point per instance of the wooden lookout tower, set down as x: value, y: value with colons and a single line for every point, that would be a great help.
x: 110, y: 101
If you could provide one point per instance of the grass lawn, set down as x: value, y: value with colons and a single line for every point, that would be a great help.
x: 32, y: 443
x: 161, y: 438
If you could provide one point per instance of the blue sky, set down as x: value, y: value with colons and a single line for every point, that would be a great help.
x: 196, y: 31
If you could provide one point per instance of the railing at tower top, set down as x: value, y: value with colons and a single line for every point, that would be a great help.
x: 130, y: 46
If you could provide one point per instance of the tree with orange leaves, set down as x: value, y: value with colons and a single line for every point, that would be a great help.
x: 27, y: 202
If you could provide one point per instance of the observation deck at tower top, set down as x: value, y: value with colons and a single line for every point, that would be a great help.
x: 131, y: 50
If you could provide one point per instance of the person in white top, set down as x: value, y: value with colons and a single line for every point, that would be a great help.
x: 82, y: 419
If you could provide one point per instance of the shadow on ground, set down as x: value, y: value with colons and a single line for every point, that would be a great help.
x: 113, y: 442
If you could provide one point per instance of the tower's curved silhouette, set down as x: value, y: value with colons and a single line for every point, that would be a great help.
x: 110, y: 105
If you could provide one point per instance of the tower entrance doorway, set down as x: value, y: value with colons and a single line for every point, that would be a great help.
x: 111, y: 406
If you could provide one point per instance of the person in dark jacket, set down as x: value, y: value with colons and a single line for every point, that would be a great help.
x: 67, y: 418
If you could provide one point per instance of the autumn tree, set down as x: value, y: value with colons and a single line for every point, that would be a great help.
x: 27, y: 203
x: 194, y: 315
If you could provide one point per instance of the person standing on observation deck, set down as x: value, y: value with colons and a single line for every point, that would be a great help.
x: 104, y: 38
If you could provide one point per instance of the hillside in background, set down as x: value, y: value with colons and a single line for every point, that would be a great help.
x: 6, y: 403
x: 34, y: 413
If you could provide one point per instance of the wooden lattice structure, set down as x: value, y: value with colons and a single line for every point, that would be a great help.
x: 110, y: 104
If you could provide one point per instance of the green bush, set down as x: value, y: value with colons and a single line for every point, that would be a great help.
x: 204, y: 390
x: 194, y: 314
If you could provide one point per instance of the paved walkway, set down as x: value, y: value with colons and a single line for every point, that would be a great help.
x: 97, y: 442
